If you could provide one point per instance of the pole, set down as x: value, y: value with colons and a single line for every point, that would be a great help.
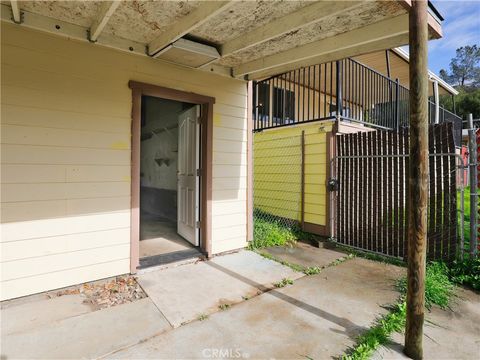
x: 397, y: 105
x: 472, y: 162
x: 418, y: 179
x: 339, y: 94
x: 437, y: 102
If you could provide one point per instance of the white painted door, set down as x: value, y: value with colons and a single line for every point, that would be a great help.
x: 187, y: 178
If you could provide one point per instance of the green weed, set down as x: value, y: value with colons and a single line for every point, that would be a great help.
x: 274, y: 232
x: 378, y: 334
x: 312, y: 270
x: 284, y: 282
x: 294, y: 267
x: 224, y: 307
x: 438, y: 288
x: 202, y: 317
x: 369, y: 255
x: 266, y: 234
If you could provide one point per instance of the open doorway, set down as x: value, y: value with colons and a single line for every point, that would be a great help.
x: 169, y: 181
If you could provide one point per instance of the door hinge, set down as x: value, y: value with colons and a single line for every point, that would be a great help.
x: 199, y: 172
x: 198, y: 224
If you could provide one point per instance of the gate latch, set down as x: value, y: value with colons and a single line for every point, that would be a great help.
x: 333, y: 185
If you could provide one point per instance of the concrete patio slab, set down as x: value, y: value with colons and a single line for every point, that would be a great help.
x: 305, y: 254
x: 250, y: 265
x: 18, y: 315
x: 185, y: 292
x: 318, y: 316
x: 89, y: 335
x: 448, y: 334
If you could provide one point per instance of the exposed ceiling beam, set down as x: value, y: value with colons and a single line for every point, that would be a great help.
x: 303, y: 17
x: 77, y: 32
x: 183, y: 26
x: 106, y: 11
x: 17, y: 17
x: 335, y: 55
x: 343, y: 45
x: 434, y: 25
x: 434, y: 28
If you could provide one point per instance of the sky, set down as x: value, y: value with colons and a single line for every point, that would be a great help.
x: 461, y: 27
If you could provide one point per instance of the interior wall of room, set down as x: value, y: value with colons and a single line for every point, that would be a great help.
x: 161, y: 122
x: 159, y: 152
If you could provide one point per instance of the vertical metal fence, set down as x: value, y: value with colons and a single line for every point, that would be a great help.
x: 371, y: 207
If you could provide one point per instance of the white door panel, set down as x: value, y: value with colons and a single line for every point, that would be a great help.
x: 188, y: 185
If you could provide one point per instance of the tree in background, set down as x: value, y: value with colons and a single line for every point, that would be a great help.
x: 464, y: 75
x: 464, y: 68
x: 466, y: 102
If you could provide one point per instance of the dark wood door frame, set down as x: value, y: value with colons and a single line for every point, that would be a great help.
x: 206, y: 142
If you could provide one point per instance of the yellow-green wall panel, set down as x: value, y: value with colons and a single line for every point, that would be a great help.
x: 277, y: 171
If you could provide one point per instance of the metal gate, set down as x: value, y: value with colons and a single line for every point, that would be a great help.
x: 371, y: 194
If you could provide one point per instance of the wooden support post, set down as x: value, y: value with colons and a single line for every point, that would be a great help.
x: 418, y: 179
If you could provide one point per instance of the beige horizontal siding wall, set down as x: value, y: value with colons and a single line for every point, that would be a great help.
x: 65, y: 158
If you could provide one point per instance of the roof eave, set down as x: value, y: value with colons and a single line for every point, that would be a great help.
x: 449, y: 88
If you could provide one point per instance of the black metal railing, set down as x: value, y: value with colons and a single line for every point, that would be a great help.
x: 346, y: 90
x: 371, y: 98
x: 298, y: 96
x: 444, y: 116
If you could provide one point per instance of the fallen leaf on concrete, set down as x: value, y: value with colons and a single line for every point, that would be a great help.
x: 68, y: 292
x: 117, y: 291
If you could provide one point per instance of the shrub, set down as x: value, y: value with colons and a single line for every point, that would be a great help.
x: 466, y: 272
x: 271, y: 233
x: 270, y: 230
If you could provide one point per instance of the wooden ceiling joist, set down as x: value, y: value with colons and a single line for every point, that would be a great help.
x: 305, y: 16
x: 277, y: 21
x: 16, y: 15
x: 351, y: 43
x: 207, y: 10
x: 107, y: 10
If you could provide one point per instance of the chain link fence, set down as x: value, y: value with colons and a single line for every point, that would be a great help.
x: 277, y: 178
